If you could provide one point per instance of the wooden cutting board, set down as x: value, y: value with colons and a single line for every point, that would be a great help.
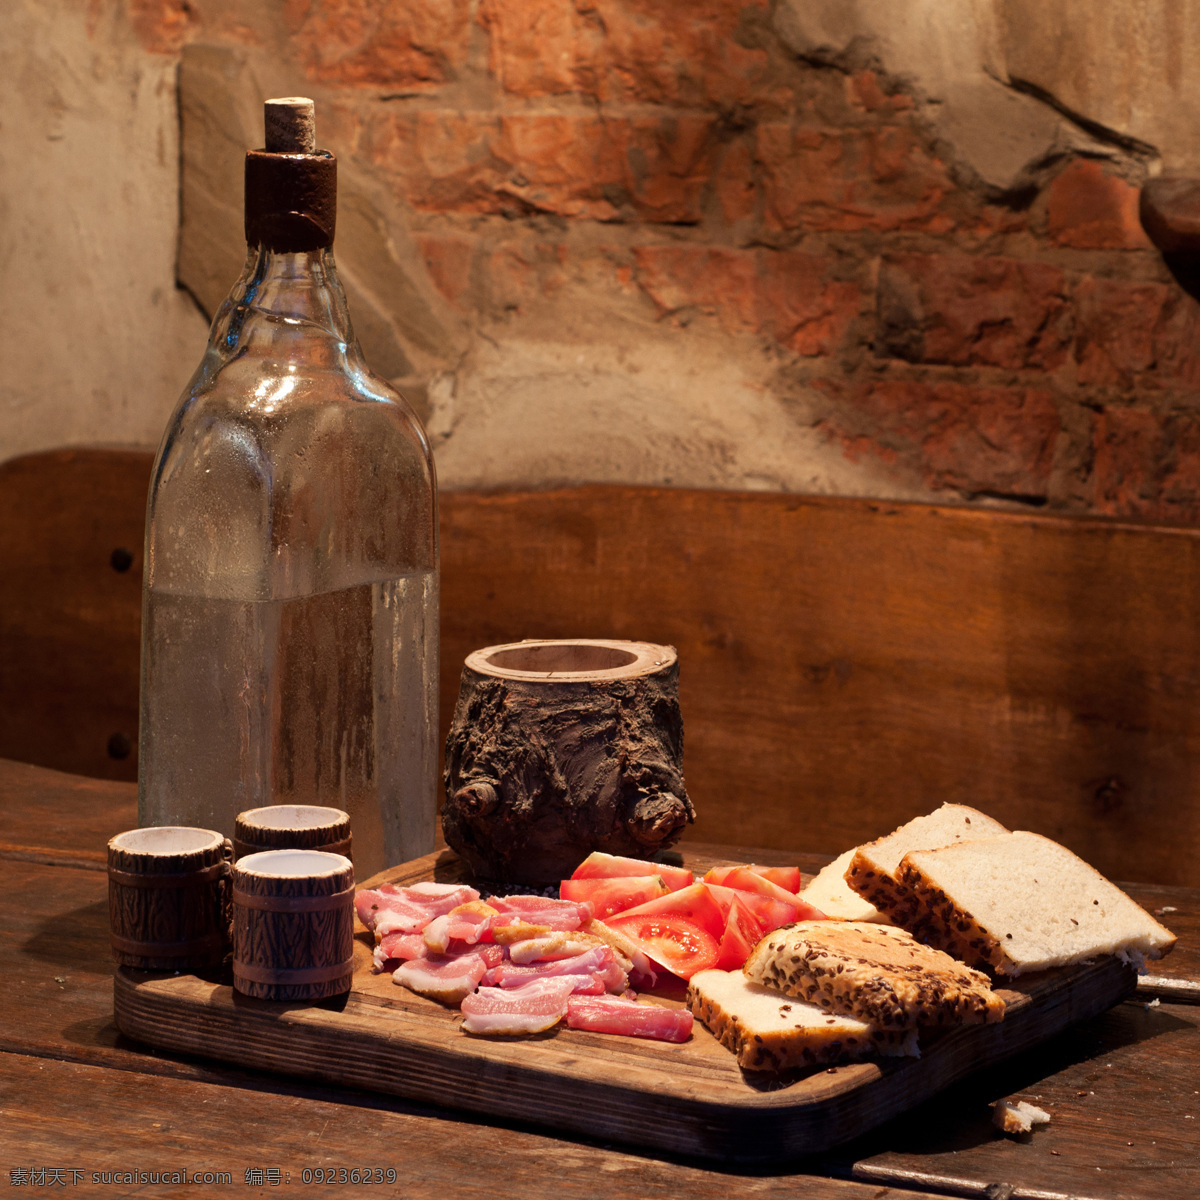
x: 690, y: 1098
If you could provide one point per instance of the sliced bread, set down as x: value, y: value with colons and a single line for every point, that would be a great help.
x: 873, y: 972
x: 833, y: 896
x: 873, y: 868
x: 1021, y: 902
x: 770, y: 1032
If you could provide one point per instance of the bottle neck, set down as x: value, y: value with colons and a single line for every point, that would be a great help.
x: 282, y: 298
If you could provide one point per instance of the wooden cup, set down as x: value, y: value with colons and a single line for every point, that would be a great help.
x: 293, y: 924
x: 561, y: 747
x: 168, y: 898
x: 292, y: 827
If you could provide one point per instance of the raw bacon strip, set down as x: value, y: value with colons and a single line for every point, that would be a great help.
x: 531, y: 1008
x: 584, y: 985
x: 538, y: 910
x: 447, y: 980
x: 412, y: 945
x: 468, y: 923
x: 408, y: 910
x: 399, y: 945
x: 614, y: 1014
x: 598, y: 962
x: 552, y: 946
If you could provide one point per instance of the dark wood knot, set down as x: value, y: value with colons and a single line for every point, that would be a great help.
x: 121, y: 560
x: 477, y: 799
x: 655, y: 819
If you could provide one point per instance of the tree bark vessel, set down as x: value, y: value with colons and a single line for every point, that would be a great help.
x: 559, y: 748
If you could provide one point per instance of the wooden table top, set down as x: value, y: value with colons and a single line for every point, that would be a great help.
x: 78, y: 1100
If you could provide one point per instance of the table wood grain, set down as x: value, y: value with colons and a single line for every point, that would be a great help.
x: 75, y: 1093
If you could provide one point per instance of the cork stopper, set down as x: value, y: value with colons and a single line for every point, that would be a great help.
x: 291, y: 186
x: 291, y: 125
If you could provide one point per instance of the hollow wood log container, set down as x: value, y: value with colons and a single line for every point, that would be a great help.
x: 562, y: 747
x: 293, y: 924
x: 292, y: 827
x: 168, y: 898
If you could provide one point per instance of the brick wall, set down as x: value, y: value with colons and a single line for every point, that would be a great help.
x: 1029, y: 350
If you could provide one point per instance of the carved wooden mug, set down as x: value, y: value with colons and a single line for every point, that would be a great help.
x: 562, y: 747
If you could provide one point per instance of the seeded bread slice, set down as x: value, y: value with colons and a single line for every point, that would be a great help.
x: 832, y: 895
x: 873, y: 869
x: 770, y: 1032
x: 1021, y: 903
x: 873, y: 972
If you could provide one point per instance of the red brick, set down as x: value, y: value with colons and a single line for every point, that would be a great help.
x: 632, y: 51
x: 654, y: 168
x: 784, y: 294
x: 533, y: 45
x: 829, y: 179
x: 973, y: 439
x: 439, y: 161
x: 800, y: 306
x: 363, y: 43
x: 1090, y: 209
x: 1147, y: 464
x: 715, y: 280
x: 965, y: 311
x: 1118, y: 328
x: 735, y: 183
x: 448, y: 260
x: 863, y: 92
x: 162, y: 26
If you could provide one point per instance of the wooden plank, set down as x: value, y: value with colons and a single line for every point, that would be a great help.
x: 689, y: 1098
x: 74, y: 1116
x: 1121, y: 1091
x: 846, y: 664
x: 50, y: 816
x: 71, y: 535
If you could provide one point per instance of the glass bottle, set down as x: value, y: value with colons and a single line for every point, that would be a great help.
x: 290, y: 602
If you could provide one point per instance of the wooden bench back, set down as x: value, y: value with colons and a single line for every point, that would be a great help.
x: 71, y: 530
x: 845, y: 664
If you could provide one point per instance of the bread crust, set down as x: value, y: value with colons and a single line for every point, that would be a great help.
x: 874, y: 871
x: 758, y: 1048
x: 879, y: 889
x: 938, y: 921
x: 874, y: 973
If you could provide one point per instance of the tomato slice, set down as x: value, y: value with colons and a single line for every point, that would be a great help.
x: 695, y: 904
x: 676, y: 944
x: 735, y: 946
x: 599, y: 865
x: 608, y: 896
x: 768, y: 912
x: 787, y: 878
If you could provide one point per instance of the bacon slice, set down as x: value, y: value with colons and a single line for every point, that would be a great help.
x: 589, y: 985
x: 390, y: 909
x: 539, y: 910
x: 614, y: 1014
x: 406, y: 946
x: 467, y: 923
x: 447, y: 980
x: 597, y: 962
x: 401, y: 946
x: 553, y: 946
x: 531, y: 1008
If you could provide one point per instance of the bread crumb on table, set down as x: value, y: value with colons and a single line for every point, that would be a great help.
x: 1015, y: 1116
